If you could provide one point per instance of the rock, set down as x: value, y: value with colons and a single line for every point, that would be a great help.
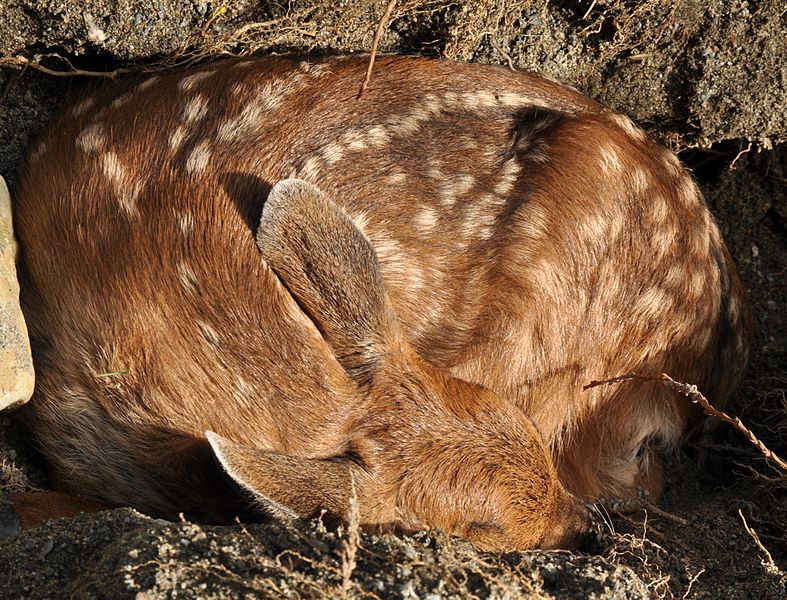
x: 16, y: 362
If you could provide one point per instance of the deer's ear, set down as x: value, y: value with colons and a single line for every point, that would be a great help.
x: 291, y: 487
x: 331, y: 270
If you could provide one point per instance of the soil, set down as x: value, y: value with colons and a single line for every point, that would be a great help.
x: 708, y: 78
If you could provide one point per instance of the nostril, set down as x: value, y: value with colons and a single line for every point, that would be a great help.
x: 592, y: 540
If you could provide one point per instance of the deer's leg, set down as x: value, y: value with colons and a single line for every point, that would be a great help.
x: 27, y: 510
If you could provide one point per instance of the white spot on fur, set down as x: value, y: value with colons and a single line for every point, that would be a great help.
x: 697, y: 281
x: 125, y: 190
x: 450, y: 98
x: 356, y: 145
x: 121, y: 100
x: 426, y: 219
x: 333, y: 153
x: 479, y: 99
x: 508, y: 176
x: 209, y: 333
x: 639, y: 180
x: 664, y: 238
x: 80, y: 108
x: 310, y: 169
x: 653, y: 304
x: 197, y: 161
x: 185, y: 223
x: 387, y: 248
x: 410, y: 123
x: 378, y: 136
x: 244, y: 392
x: 688, y: 191
x: 628, y: 126
x: 312, y: 69
x: 700, y: 241
x: 92, y: 138
x: 469, y: 143
x: 267, y: 97
x: 436, y: 174
x: 616, y: 223
x: 610, y: 161
x: 454, y: 188
x: 514, y: 100
x: 189, y: 81
x: 187, y: 277
x: 401, y: 272
x: 675, y: 277
x: 195, y: 109
x: 593, y: 226
x: 271, y: 94
x: 481, y: 218
x: 659, y: 209
x: 533, y: 221
x: 147, y: 83
x: 242, y: 125
x: 395, y: 178
x: 176, y: 139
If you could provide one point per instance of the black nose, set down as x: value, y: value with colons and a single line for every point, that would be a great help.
x: 593, y: 540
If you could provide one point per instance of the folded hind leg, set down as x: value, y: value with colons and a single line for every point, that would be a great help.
x: 29, y: 509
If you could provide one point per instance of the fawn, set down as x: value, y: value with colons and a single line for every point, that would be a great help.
x: 439, y: 268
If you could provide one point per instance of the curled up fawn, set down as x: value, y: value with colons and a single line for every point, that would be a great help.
x: 439, y: 268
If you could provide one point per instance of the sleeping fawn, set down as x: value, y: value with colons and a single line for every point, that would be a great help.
x: 251, y: 292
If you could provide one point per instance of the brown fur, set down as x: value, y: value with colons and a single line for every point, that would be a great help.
x: 525, y: 239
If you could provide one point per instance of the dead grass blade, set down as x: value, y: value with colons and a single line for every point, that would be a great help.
x: 375, y: 44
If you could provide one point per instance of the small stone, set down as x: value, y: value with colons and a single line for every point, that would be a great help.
x: 46, y: 549
x: 16, y: 362
x: 408, y: 591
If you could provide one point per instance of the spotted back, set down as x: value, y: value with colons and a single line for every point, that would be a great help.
x: 529, y: 239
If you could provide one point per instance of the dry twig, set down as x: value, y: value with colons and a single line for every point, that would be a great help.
x: 767, y: 562
x: 375, y: 43
x: 21, y: 61
x: 350, y: 545
x: 694, y: 394
x: 746, y: 150
x: 665, y: 514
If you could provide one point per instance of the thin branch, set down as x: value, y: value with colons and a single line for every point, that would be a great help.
x: 22, y: 62
x: 694, y: 394
x: 737, y: 156
x: 350, y: 545
x: 375, y: 43
x: 665, y: 514
x: 768, y: 563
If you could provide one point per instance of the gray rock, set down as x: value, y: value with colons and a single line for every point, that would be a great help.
x: 16, y: 362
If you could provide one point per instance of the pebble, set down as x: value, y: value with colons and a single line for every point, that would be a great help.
x: 46, y: 549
